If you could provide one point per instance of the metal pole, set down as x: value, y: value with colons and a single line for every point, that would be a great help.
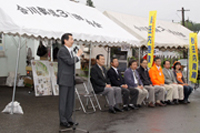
x: 108, y: 56
x: 89, y: 66
x: 16, y: 71
x: 139, y: 55
x: 188, y: 66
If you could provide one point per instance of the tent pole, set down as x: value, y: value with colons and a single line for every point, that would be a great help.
x: 108, y: 56
x: 139, y: 55
x: 188, y: 75
x: 16, y: 71
x: 89, y: 66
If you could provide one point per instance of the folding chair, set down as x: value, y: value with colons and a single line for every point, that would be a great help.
x: 96, y: 98
x: 86, y: 94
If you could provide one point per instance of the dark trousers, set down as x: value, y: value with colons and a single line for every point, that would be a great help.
x: 66, y: 103
x: 187, y: 91
x: 130, y: 93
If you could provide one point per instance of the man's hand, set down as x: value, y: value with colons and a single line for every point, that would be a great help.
x: 141, y: 87
x: 79, y: 53
x: 161, y: 84
x: 175, y: 83
x: 124, y: 86
x: 108, y: 86
x: 151, y: 85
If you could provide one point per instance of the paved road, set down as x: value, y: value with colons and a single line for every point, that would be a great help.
x: 41, y: 116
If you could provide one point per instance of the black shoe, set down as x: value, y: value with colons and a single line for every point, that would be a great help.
x: 175, y: 101
x: 112, y: 111
x: 139, y: 106
x: 126, y: 108
x: 185, y: 102
x: 169, y: 103
x: 66, y: 125
x: 132, y: 107
x: 163, y: 102
x: 188, y: 101
x: 72, y: 123
x: 181, y: 101
x: 117, y: 109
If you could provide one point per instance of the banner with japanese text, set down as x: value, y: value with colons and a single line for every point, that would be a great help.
x: 151, y: 37
x: 193, y: 58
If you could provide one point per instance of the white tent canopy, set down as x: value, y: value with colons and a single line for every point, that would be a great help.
x: 50, y: 19
x: 168, y: 34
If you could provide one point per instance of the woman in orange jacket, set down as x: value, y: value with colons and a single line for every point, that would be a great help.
x: 180, y: 80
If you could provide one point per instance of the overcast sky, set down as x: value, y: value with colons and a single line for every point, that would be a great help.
x: 166, y: 9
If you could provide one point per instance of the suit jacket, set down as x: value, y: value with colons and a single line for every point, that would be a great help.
x: 115, y: 79
x: 169, y: 79
x: 144, y: 76
x: 129, y: 79
x: 66, y: 67
x: 97, y: 79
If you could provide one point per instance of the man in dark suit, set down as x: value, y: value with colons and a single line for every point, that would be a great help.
x: 156, y: 93
x: 101, y: 85
x: 65, y: 79
x: 132, y: 79
x: 116, y: 79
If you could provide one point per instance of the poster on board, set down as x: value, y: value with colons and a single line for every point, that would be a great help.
x: 41, y: 77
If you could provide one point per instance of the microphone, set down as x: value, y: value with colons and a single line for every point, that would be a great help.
x: 76, y: 49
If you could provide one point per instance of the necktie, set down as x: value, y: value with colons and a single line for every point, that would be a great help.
x: 72, y: 54
x: 134, y: 72
x: 103, y: 72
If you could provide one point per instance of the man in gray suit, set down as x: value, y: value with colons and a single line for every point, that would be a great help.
x: 66, y: 79
x: 170, y: 80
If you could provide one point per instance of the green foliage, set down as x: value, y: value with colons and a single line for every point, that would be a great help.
x: 192, y: 26
x: 90, y: 3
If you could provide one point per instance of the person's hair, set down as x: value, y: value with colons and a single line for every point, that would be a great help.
x: 177, y: 63
x: 65, y: 37
x: 141, y: 61
x: 156, y: 58
x: 113, y: 59
x: 131, y: 62
x: 165, y: 62
x: 98, y: 56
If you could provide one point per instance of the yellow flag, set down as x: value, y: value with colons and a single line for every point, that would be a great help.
x: 193, y: 58
x: 151, y: 37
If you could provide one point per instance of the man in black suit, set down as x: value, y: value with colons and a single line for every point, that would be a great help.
x: 101, y: 85
x: 116, y: 79
x: 65, y: 79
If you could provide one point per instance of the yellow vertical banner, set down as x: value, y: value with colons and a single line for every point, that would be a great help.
x: 151, y: 37
x: 193, y: 58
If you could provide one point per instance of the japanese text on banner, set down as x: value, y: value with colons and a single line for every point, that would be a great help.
x: 193, y: 59
x: 151, y: 37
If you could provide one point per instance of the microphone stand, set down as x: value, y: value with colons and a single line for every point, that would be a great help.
x: 74, y: 128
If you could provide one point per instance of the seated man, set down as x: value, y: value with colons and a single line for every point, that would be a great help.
x: 116, y: 79
x: 132, y: 79
x: 101, y: 85
x: 171, y: 80
x: 158, y: 79
x: 153, y: 90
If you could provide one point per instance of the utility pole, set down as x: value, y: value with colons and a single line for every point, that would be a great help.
x: 183, y: 15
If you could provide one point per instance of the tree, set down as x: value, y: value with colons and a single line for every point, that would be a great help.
x: 192, y: 26
x: 90, y: 3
